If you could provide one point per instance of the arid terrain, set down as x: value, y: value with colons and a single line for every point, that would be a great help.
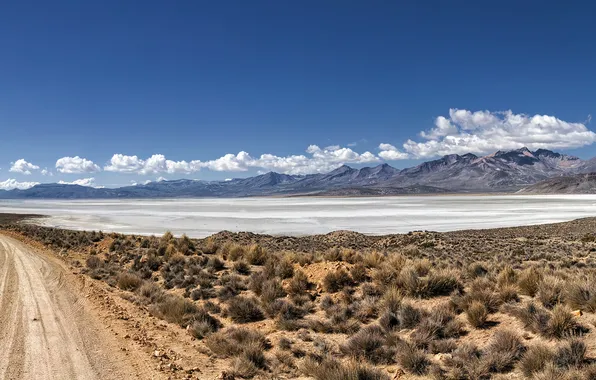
x: 506, y: 303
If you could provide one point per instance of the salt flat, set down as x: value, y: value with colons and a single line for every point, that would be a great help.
x: 299, y: 216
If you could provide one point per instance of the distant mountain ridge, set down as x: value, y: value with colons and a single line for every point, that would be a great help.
x: 575, y: 184
x: 502, y: 171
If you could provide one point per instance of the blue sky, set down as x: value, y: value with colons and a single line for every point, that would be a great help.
x: 190, y: 82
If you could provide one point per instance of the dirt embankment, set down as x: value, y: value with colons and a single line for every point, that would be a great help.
x: 48, y: 328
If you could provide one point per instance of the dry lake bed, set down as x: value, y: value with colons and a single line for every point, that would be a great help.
x: 300, y: 216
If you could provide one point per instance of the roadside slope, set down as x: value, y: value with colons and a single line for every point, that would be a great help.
x: 47, y: 328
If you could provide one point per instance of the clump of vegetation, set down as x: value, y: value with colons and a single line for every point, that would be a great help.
x: 390, y: 301
x: 244, y: 309
x: 477, y: 314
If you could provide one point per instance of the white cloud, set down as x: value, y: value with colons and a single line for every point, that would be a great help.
x: 10, y: 184
x: 320, y: 160
x: 47, y: 172
x: 76, y: 165
x: 23, y: 167
x: 391, y: 153
x: 157, y: 163
x: 89, y: 182
x: 160, y: 179
x: 485, y: 132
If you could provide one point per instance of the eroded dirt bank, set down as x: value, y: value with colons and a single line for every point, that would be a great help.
x: 48, y: 329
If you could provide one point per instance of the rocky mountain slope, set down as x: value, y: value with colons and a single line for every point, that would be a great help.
x: 575, y: 184
x: 502, y: 171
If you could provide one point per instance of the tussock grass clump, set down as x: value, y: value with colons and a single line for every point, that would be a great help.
x: 256, y: 255
x: 477, y: 314
x: 370, y: 343
x: 93, y: 262
x: 507, y: 276
x: 467, y: 363
x: 581, y: 294
x: 244, y: 309
x: 175, y: 309
x: 571, y: 354
x: 328, y: 368
x: 151, y: 291
x: 550, y: 291
x: 562, y: 323
x: 440, y: 324
x: 241, y: 267
x: 247, y: 346
x: 529, y: 281
x: 299, y: 284
x: 336, y: 280
x: 129, y: 281
x: 203, y: 324
x: 436, y: 283
x: 412, y: 360
x: 233, y: 252
x: 504, y: 349
x: 535, y: 359
x: 559, y: 323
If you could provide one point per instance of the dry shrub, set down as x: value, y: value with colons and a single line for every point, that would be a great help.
x: 529, y: 281
x: 535, y: 359
x: 256, y: 255
x: 508, y: 293
x: 442, y: 346
x: 329, y: 368
x: 557, y: 324
x: 233, y: 252
x: 507, y: 276
x: 477, y: 314
x: 241, y: 267
x: 129, y: 281
x: 562, y: 323
x: 550, y: 291
x: 466, y: 362
x: 244, y: 309
x: 203, y: 324
x: 392, y: 299
x: 373, y: 259
x: 581, y: 294
x: 369, y: 343
x: 299, y: 284
x: 504, y: 349
x: 439, y: 324
x: 93, y: 262
x: 175, y: 309
x: 358, y: 273
x: 336, y: 280
x: 476, y: 270
x: 412, y: 360
x: 151, y: 291
x: 239, y: 342
x: 571, y: 354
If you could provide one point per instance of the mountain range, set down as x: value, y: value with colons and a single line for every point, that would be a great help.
x: 502, y: 171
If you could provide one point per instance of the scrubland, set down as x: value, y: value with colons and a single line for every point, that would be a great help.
x: 485, y: 304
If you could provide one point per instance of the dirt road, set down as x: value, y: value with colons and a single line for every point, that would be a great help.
x: 48, y: 330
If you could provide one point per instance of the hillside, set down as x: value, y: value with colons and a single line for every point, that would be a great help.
x: 576, y: 184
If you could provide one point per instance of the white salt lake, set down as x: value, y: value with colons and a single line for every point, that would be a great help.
x: 300, y: 216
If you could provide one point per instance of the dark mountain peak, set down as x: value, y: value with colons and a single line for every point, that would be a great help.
x: 547, y: 153
x: 469, y: 156
x: 521, y: 156
x: 341, y: 170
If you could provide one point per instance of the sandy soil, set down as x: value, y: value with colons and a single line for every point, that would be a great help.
x: 48, y: 330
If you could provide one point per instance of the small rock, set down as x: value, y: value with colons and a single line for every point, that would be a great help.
x: 577, y: 313
x: 157, y: 354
